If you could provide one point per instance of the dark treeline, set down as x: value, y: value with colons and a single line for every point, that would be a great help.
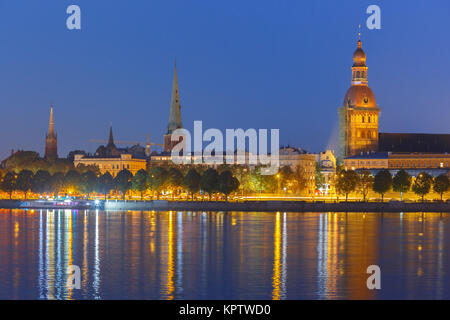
x: 348, y: 181
x: 25, y: 172
x: 84, y: 181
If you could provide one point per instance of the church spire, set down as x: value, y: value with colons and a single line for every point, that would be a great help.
x: 51, y: 124
x: 111, y: 139
x: 51, y: 148
x: 175, y: 107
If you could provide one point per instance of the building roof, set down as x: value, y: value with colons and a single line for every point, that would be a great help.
x: 414, y: 142
x: 373, y: 155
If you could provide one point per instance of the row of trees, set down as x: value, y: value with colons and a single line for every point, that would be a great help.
x: 155, y: 180
x: 348, y: 181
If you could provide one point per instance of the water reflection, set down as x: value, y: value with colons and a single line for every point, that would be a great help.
x: 234, y: 255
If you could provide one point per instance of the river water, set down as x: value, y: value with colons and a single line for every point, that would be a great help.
x: 217, y: 255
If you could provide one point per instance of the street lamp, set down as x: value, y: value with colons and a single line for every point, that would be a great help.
x: 278, y: 178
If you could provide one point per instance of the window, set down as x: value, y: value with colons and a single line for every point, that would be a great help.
x: 362, y: 74
x: 357, y: 74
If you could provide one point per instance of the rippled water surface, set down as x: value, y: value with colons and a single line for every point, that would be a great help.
x: 235, y: 255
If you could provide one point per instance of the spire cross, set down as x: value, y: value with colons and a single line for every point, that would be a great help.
x: 359, y: 32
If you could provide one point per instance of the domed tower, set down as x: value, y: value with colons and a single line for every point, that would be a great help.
x: 358, y: 117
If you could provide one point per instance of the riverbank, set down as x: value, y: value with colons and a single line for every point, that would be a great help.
x: 261, y: 206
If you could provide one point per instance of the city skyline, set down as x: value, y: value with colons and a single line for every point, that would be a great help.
x: 138, y: 104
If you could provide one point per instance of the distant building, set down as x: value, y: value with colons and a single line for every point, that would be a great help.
x: 111, y: 159
x: 174, y: 115
x: 300, y: 162
x: 111, y: 150
x: 112, y: 164
x: 51, y: 140
x: 327, y: 163
x: 414, y: 163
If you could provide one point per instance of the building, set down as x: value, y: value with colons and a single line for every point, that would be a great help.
x: 111, y: 149
x: 327, y: 164
x: 111, y: 159
x: 51, y: 140
x: 174, y: 115
x: 414, y: 142
x: 433, y: 163
x: 300, y: 162
x: 363, y: 146
x: 112, y: 164
x: 358, y: 117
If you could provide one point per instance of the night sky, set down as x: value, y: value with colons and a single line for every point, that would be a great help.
x: 241, y: 64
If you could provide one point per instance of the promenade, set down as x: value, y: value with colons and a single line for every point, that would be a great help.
x: 261, y: 206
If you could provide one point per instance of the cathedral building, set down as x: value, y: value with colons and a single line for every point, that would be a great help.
x: 112, y: 159
x: 174, y: 115
x: 363, y: 147
x: 51, y: 145
x: 358, y: 117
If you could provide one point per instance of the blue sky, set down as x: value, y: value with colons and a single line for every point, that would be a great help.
x: 241, y: 64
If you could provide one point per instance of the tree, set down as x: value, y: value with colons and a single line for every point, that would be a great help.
x: 285, y: 178
x: 8, y: 184
x: 140, y: 182
x: 41, y: 182
x: 191, y: 181
x: 72, y: 181
x: 174, y: 179
x: 301, y: 179
x: 365, y: 183
x: 347, y: 181
x: 71, y: 154
x: 401, y: 182
x: 441, y: 184
x: 422, y: 184
x: 208, y: 182
x: 60, y: 165
x: 382, y: 182
x: 57, y: 183
x: 320, y: 178
x: 260, y: 182
x: 21, y: 160
x: 23, y: 182
x: 82, y: 168
x: 87, y: 183
x: 157, y: 179
x: 105, y: 183
x: 227, y: 183
x: 123, y: 181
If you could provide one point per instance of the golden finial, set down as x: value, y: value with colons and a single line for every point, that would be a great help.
x: 359, y: 36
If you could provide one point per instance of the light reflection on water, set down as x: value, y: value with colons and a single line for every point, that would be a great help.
x: 235, y: 255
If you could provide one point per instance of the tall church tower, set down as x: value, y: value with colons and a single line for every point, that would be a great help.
x: 174, y: 116
x: 358, y: 117
x: 51, y: 147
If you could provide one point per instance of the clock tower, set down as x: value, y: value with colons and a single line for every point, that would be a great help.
x: 358, y: 117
